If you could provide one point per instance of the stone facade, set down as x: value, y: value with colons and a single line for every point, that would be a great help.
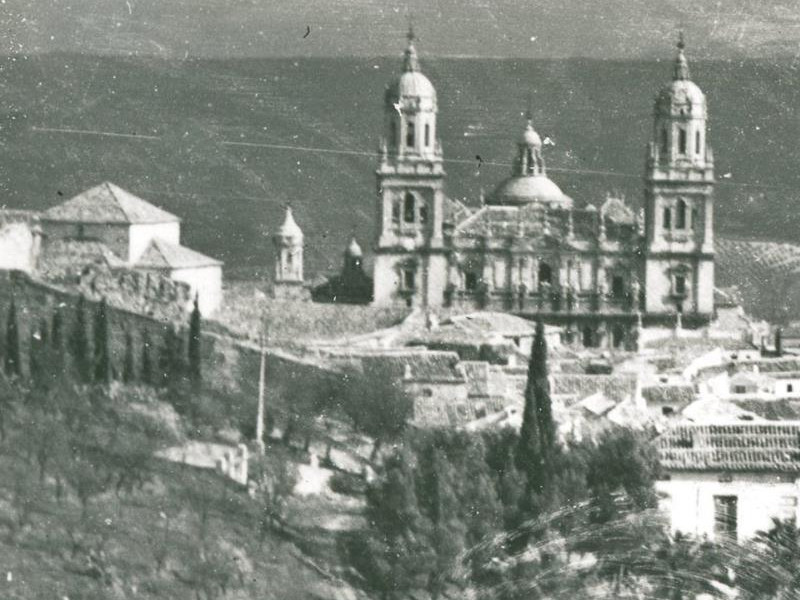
x: 528, y: 249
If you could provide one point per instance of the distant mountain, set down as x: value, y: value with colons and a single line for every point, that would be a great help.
x: 181, y: 115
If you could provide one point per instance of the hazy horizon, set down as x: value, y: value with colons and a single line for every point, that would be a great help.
x: 609, y: 29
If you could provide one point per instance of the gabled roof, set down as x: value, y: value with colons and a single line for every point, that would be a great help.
x: 771, y: 447
x: 160, y: 254
x: 616, y: 387
x: 429, y: 367
x: 107, y: 203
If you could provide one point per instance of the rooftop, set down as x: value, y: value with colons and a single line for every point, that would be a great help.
x: 107, y: 203
x: 773, y: 447
x: 160, y: 254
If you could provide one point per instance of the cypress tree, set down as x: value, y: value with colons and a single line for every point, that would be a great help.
x: 128, y: 371
x: 12, y: 358
x: 38, y: 355
x: 102, y: 351
x: 167, y: 357
x: 541, y: 390
x: 146, y: 370
x: 537, y: 435
x: 57, y: 353
x: 79, y: 343
x: 195, y: 372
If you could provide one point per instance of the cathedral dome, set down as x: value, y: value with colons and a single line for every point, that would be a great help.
x: 681, y: 94
x: 530, y: 137
x: 412, y: 83
x: 529, y: 189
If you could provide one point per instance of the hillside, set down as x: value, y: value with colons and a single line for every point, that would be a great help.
x: 598, y: 114
x: 88, y: 511
x: 767, y: 275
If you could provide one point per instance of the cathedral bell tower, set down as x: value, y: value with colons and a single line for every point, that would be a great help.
x: 410, y: 264
x: 679, y: 183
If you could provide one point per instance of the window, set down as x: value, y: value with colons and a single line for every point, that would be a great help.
x: 427, y: 135
x: 396, y: 209
x: 739, y: 389
x: 788, y: 507
x: 664, y: 141
x: 667, y: 218
x: 408, y: 278
x: 618, y: 336
x: 289, y: 260
x: 408, y: 208
x: 680, y: 285
x: 725, y: 517
x: 681, y: 140
x: 587, y: 337
x: 667, y: 411
x: 471, y: 281
x: 423, y: 213
x: 427, y: 392
x: 545, y: 273
x: 697, y: 146
x: 789, y: 387
x: 410, y: 134
x: 617, y: 286
x: 680, y: 218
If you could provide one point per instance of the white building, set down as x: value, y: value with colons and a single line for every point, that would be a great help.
x: 202, y: 273
x: 728, y: 481
x: 143, y: 236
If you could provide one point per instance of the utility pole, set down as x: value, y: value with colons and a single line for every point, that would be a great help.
x: 262, y: 373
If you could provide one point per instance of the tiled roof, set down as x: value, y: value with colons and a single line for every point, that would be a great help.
x: 455, y: 211
x: 773, y: 447
x: 107, y: 203
x: 773, y: 365
x: 430, y: 367
x: 616, y: 387
x: 497, y: 323
x: 160, y: 254
x: 8, y: 216
x: 669, y: 394
x: 771, y: 410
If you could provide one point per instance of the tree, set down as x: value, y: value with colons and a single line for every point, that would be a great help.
x: 195, y: 355
x: 102, y: 349
x: 378, y: 406
x: 129, y: 368
x: 537, y: 435
x: 12, y: 358
x: 38, y: 356
x: 79, y: 343
x: 146, y: 368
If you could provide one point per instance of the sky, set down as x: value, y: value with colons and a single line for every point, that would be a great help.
x: 613, y: 29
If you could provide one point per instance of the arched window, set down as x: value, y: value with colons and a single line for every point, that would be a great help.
x: 680, y: 218
x: 667, y: 218
x: 408, y: 208
x: 697, y: 147
x: 618, y: 286
x: 587, y: 337
x: 545, y: 273
x: 410, y: 134
x: 423, y: 213
x: 427, y: 135
x: 681, y: 140
x: 408, y: 278
x: 663, y: 141
x: 396, y: 206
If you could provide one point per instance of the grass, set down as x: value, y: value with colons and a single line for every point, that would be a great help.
x: 114, y: 550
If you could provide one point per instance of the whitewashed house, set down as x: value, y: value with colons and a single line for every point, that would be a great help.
x: 728, y: 481
x: 145, y: 237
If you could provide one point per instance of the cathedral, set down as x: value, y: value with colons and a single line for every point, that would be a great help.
x: 598, y: 271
